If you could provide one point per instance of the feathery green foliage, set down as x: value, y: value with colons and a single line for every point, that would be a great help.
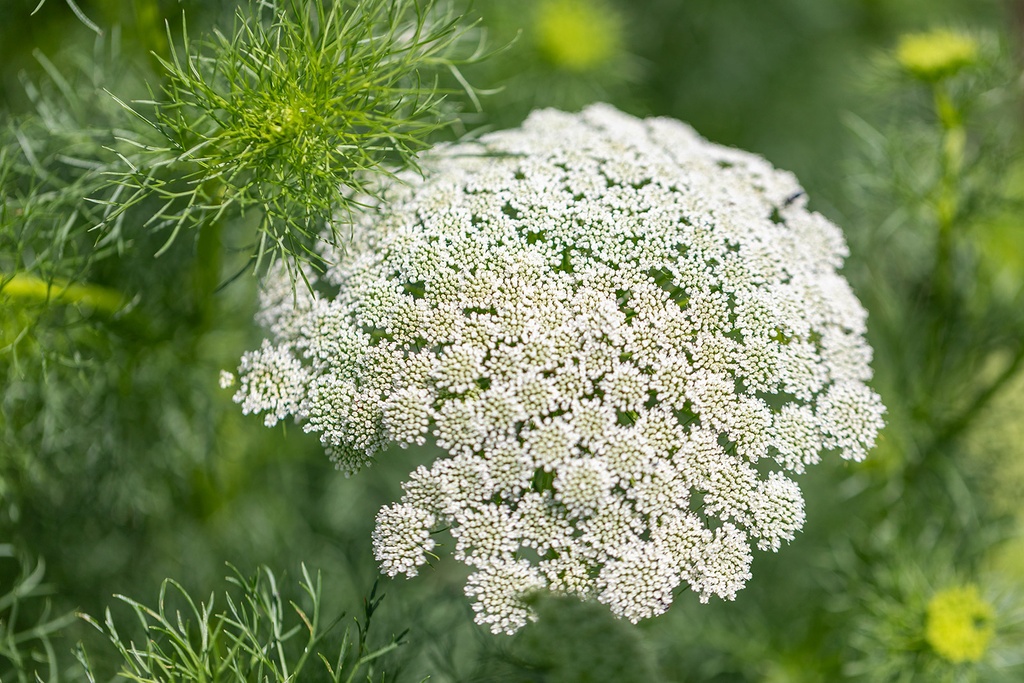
x: 941, y: 174
x: 53, y: 158
x: 77, y: 12
x: 257, y: 636
x: 27, y: 623
x: 291, y: 115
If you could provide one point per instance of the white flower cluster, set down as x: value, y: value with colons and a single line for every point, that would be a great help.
x: 625, y: 337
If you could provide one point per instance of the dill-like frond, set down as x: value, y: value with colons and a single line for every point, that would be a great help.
x: 258, y: 635
x: 292, y: 116
x: 50, y: 160
x: 28, y: 623
x: 77, y: 11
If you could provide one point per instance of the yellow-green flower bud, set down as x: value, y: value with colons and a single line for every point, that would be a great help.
x: 936, y: 54
x: 577, y: 35
x: 959, y: 624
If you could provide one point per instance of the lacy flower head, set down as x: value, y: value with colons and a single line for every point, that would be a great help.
x: 627, y: 339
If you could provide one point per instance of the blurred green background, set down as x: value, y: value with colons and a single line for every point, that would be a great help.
x: 123, y: 463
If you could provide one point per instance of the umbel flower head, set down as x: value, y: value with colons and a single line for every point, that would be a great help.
x: 627, y: 339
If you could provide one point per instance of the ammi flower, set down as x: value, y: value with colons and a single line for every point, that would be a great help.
x: 628, y: 339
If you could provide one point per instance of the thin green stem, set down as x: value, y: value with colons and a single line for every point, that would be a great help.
x: 369, y: 657
x: 31, y: 288
x: 962, y: 421
x: 947, y: 200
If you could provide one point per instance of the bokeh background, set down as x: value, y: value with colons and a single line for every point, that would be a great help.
x: 123, y: 463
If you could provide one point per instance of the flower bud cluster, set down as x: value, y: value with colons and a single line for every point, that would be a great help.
x: 628, y: 340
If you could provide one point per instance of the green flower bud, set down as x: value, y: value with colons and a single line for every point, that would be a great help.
x: 576, y: 35
x: 958, y: 625
x: 937, y: 54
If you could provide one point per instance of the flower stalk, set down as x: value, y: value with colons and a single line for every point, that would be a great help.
x: 947, y: 200
x: 27, y: 287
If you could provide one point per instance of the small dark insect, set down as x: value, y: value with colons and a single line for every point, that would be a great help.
x: 793, y: 197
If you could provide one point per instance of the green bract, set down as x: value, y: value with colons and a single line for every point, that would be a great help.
x: 303, y: 98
